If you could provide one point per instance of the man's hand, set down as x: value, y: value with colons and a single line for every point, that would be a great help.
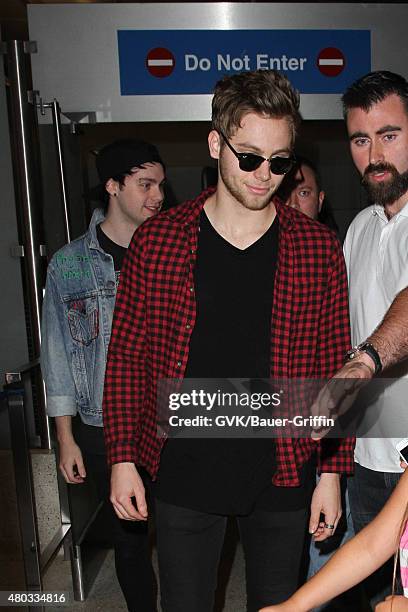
x: 326, y: 500
x: 125, y: 485
x: 396, y: 603
x: 71, y: 463
x: 339, y: 394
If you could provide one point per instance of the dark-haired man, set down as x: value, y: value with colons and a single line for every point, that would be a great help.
x: 211, y: 290
x: 302, y: 190
x: 77, y: 315
x: 376, y: 253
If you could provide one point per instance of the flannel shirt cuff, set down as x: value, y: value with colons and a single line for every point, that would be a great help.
x: 341, y: 461
x: 121, y: 453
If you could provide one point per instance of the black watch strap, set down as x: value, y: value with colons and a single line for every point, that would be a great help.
x: 366, y: 347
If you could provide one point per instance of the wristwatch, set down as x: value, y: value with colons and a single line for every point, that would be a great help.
x: 366, y: 347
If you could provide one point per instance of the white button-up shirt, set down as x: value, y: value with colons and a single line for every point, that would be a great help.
x: 376, y: 254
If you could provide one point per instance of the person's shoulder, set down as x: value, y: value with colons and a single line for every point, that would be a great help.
x: 71, y: 262
x: 308, y: 228
x: 361, y: 223
x: 73, y: 248
x: 362, y: 217
x: 177, y: 214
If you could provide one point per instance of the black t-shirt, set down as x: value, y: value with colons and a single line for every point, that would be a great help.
x: 231, y: 339
x: 115, y: 250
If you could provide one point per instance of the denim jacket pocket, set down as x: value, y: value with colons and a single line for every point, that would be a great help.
x: 83, y: 320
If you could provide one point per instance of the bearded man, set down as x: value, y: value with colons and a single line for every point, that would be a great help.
x: 376, y: 253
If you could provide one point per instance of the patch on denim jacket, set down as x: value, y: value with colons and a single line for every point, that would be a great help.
x: 71, y: 260
x: 76, y: 274
x: 83, y: 319
x: 76, y: 266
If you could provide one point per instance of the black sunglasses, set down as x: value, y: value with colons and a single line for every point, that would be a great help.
x: 248, y: 162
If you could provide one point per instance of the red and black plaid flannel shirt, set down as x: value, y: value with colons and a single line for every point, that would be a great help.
x: 155, y: 314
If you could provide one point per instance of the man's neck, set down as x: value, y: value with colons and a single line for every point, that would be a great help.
x: 119, y: 232
x: 395, y: 207
x: 240, y: 226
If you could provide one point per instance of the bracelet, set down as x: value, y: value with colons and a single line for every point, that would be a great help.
x: 366, y: 347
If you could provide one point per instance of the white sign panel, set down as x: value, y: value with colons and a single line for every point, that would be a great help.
x: 159, y: 62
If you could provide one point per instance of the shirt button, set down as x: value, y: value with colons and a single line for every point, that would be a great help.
x: 179, y: 364
x: 188, y: 326
x: 192, y: 250
x: 191, y: 289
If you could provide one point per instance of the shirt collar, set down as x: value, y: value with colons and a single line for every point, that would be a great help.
x: 97, y: 217
x: 404, y: 210
x: 286, y: 214
x: 379, y: 211
x: 189, y: 212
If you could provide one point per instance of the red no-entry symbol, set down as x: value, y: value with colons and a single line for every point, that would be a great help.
x: 160, y: 62
x: 331, y: 61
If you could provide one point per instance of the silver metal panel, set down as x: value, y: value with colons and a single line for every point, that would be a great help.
x: 12, y: 319
x: 28, y: 204
x: 77, y: 58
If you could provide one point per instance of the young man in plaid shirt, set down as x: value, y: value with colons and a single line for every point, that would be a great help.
x: 230, y: 285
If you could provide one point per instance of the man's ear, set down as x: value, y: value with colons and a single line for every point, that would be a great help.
x: 214, y: 144
x: 321, y: 199
x: 112, y: 187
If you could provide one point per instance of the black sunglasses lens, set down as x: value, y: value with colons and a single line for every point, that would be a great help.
x: 281, y: 165
x: 248, y: 162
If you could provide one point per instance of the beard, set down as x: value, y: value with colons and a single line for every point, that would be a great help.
x: 385, y: 192
x: 239, y: 192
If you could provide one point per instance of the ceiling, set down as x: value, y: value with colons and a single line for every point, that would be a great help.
x: 13, y: 13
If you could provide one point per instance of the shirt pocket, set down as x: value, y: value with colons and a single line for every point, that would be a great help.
x: 83, y: 319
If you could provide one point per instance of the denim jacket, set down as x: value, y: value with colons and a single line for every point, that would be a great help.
x: 76, y: 324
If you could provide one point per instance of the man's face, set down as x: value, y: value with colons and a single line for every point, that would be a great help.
x: 379, y: 147
x: 262, y: 136
x: 142, y: 194
x: 304, y: 194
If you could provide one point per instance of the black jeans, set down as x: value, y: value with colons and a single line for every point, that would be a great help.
x: 130, y: 541
x: 189, y: 546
